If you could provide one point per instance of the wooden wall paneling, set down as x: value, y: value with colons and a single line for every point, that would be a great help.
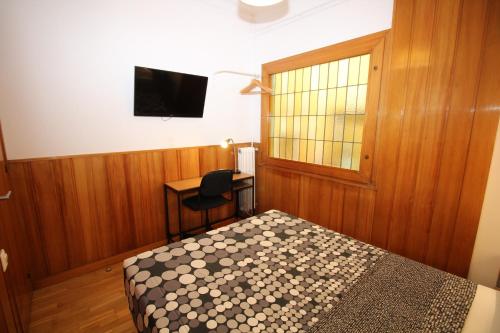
x: 51, y: 224
x: 436, y: 110
x: 101, y: 195
x: 71, y: 212
x: 350, y: 210
x: 121, y: 213
x: 156, y: 180
x: 364, y: 215
x: 315, y: 193
x: 190, y: 168
x: 391, y: 112
x: 455, y: 144
x: 336, y: 207
x: 480, y: 149
x: 280, y: 190
x: 87, y: 213
x: 21, y: 179
x: 171, y: 167
x: 413, y: 121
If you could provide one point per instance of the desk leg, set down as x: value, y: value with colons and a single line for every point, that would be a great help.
x: 179, y: 211
x: 167, y: 215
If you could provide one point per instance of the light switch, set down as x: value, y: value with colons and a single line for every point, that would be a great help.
x: 4, y: 257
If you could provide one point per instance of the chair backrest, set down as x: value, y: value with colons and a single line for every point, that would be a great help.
x: 216, y: 183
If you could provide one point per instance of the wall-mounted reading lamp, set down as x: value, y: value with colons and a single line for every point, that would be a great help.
x: 224, y: 144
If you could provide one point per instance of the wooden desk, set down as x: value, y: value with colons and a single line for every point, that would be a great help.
x: 180, y: 187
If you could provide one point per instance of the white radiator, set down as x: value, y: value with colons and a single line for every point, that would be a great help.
x: 246, y: 164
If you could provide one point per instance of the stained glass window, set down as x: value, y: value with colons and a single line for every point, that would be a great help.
x: 317, y: 113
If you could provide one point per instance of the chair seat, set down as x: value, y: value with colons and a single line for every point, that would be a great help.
x: 202, y: 203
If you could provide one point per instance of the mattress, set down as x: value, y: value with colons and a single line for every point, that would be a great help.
x: 278, y: 273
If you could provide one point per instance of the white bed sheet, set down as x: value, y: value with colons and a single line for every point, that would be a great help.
x: 484, y: 313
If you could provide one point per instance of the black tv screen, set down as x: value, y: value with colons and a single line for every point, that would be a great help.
x: 159, y: 93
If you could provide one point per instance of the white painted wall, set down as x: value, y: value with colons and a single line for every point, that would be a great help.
x: 67, y: 74
x: 485, y: 263
x: 67, y: 66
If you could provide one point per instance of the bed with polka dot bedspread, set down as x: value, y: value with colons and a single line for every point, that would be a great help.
x: 268, y: 273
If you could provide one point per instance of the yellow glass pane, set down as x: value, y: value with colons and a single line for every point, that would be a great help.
x: 297, y: 109
x: 352, y: 94
x: 338, y: 131
x: 290, y: 104
x: 318, y: 153
x: 313, y: 103
x: 360, y: 108
x: 277, y: 84
x: 349, y: 128
x: 273, y: 83
x: 330, y: 103
x: 358, y: 129
x: 299, y: 75
x: 296, y: 127
x: 277, y: 105
x: 346, y: 155
x: 305, y: 103
x: 327, y: 153
x: 271, y: 127
x: 336, y: 154
x: 353, y: 70
x: 332, y: 74
x: 311, y: 132
x: 320, y: 128
x: 322, y: 102
x: 303, y: 151
x: 343, y: 72
x: 271, y: 147
x: 364, y: 69
x: 311, y: 144
x: 329, y: 128
x: 291, y: 82
x: 284, y: 82
x: 306, y: 79
x: 295, y: 149
x: 271, y: 106
x: 323, y: 76
x: 276, y: 147
x: 282, y: 127
x: 283, y: 106
x: 277, y: 124
x: 356, y: 156
x: 282, y: 147
x: 289, y: 127
x: 315, y: 77
x: 341, y: 100
x: 289, y: 147
x: 304, y: 120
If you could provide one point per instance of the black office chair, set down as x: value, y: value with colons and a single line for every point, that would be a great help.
x: 213, y: 185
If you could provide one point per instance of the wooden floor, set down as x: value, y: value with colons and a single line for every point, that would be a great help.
x: 94, y: 302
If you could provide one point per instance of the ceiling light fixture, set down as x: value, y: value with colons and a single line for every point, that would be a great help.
x: 261, y: 3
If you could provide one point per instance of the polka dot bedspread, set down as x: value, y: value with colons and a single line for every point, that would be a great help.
x: 269, y: 273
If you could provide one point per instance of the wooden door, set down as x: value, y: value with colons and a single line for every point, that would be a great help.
x: 15, y: 284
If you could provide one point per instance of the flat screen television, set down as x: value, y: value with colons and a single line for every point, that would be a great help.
x: 159, y: 93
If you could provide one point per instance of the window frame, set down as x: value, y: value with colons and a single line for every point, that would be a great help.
x: 371, y: 44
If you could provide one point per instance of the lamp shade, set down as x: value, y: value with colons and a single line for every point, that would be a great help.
x: 261, y: 3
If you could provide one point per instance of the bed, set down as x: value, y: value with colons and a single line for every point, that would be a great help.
x: 277, y: 273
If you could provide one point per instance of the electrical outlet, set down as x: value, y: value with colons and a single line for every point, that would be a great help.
x: 4, y: 258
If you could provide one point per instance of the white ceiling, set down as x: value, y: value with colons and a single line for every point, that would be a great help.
x: 264, y: 18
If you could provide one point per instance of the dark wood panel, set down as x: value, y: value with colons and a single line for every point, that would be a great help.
x: 436, y: 126
x: 83, y: 209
